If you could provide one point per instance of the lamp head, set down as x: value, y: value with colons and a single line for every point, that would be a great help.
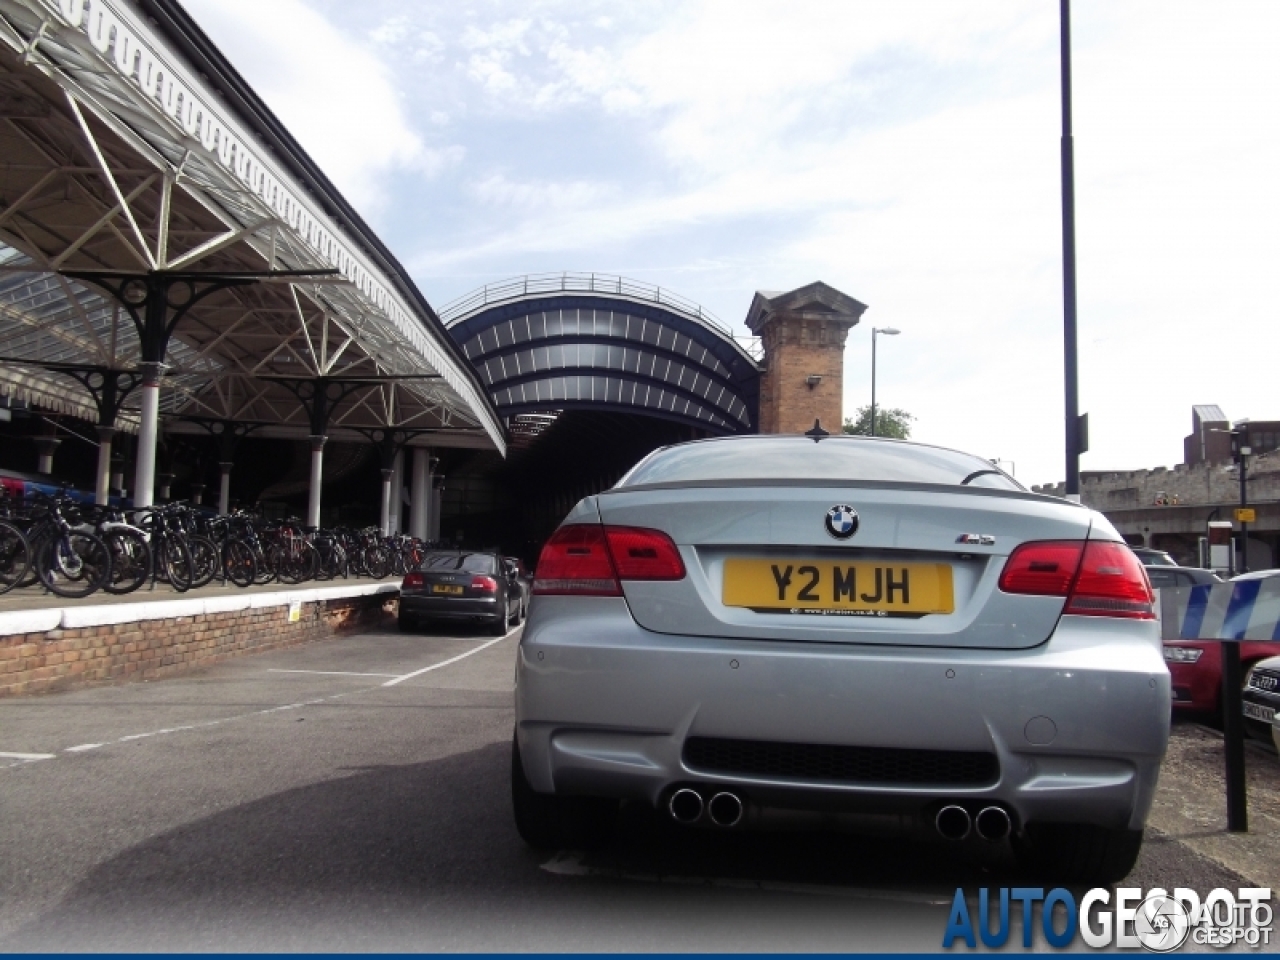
x: 888, y: 331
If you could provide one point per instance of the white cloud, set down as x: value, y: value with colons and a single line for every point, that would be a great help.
x: 338, y: 99
x: 904, y: 152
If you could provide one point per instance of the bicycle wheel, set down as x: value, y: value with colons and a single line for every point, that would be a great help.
x: 204, y: 560
x: 73, y: 564
x: 294, y: 563
x: 377, y: 561
x: 15, y: 556
x: 173, y: 562
x: 130, y: 560
x: 238, y: 563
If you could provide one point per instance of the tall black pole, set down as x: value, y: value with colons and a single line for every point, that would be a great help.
x: 1244, y: 502
x: 1069, y: 359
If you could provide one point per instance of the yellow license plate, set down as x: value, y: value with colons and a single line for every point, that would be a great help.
x: 839, y: 588
x: 444, y: 588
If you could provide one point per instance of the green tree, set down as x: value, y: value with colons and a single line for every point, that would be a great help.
x: 890, y: 422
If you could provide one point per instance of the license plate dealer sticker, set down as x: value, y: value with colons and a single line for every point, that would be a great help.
x: 1258, y: 712
x: 831, y: 588
x: 445, y: 588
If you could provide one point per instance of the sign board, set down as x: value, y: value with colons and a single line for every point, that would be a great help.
x: 1246, y: 515
x: 295, y: 611
x: 1220, y: 545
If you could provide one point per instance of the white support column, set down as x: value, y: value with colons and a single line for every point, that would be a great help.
x: 419, y: 505
x: 144, y: 476
x: 197, y: 494
x: 45, y: 448
x: 102, y: 489
x: 384, y: 516
x: 317, y: 474
x: 397, y: 492
x: 224, y: 488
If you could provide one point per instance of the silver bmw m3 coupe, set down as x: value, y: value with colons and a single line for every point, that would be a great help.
x: 847, y: 631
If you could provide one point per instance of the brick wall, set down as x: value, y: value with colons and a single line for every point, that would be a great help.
x: 64, y: 659
x: 797, y: 348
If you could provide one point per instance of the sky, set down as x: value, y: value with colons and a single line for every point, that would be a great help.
x: 906, y: 152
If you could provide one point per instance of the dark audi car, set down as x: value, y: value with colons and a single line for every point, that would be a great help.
x: 461, y: 585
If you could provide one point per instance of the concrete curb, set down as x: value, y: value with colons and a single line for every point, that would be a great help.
x: 105, y: 614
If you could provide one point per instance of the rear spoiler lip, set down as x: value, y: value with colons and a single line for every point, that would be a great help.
x: 843, y: 485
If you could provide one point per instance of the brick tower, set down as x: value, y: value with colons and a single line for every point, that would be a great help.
x: 803, y: 333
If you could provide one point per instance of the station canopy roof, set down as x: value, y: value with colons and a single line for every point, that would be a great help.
x: 129, y: 146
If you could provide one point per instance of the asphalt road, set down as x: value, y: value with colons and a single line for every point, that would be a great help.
x: 353, y: 795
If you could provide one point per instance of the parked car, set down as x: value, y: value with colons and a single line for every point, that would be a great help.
x: 1261, y: 697
x: 463, y: 585
x: 855, y: 629
x: 1153, y: 558
x: 1165, y: 576
x: 523, y: 580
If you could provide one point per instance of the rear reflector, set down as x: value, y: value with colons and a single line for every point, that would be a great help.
x: 591, y: 560
x: 1099, y: 578
x: 413, y: 580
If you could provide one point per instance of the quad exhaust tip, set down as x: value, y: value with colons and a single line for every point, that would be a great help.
x: 953, y: 822
x: 725, y: 810
x: 685, y: 805
x: 992, y: 824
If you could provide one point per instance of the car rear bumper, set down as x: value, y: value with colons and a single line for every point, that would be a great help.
x: 1077, y: 726
x: 450, y: 608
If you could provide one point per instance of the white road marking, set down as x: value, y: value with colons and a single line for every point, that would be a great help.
x: 445, y: 663
x: 28, y: 757
x: 335, y: 673
x: 569, y: 864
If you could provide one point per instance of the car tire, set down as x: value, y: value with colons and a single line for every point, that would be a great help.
x: 502, y: 624
x: 547, y: 822
x: 406, y: 623
x: 1078, y: 853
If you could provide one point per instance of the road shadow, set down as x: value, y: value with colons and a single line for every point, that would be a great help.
x: 424, y: 856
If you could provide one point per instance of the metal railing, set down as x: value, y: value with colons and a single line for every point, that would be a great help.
x: 577, y: 283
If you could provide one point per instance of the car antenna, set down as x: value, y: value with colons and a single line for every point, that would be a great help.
x: 817, y: 433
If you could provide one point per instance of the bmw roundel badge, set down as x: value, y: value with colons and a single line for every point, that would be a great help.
x: 842, y: 521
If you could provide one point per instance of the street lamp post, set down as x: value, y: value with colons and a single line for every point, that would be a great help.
x: 875, y: 331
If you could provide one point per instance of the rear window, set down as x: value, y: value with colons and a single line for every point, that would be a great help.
x: 466, y: 562
x: 797, y: 458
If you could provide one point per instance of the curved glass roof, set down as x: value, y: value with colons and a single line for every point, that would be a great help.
x: 556, y: 349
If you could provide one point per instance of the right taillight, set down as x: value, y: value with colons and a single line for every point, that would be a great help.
x: 591, y: 560
x: 1111, y: 583
x: 1099, y: 578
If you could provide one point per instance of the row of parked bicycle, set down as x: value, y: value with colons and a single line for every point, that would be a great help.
x: 75, y: 549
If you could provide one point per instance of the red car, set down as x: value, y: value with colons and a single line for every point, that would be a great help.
x: 1196, y: 669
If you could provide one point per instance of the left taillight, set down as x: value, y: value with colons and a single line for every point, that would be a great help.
x: 589, y: 559
x: 413, y: 580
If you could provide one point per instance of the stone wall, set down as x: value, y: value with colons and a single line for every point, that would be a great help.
x: 1201, y: 483
x: 154, y: 647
